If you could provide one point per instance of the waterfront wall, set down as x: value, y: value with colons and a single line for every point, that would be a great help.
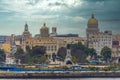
x: 60, y: 75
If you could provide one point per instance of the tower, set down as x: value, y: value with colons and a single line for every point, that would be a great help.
x: 54, y: 31
x: 44, y: 31
x: 26, y: 27
x: 26, y: 33
x: 92, y: 27
x: 68, y: 57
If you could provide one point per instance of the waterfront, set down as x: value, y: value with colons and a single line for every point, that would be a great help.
x: 70, y: 79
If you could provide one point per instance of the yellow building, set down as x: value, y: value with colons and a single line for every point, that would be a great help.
x: 52, y: 45
x: 6, y: 47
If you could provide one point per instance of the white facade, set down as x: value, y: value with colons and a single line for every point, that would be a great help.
x: 10, y: 60
x: 100, y: 40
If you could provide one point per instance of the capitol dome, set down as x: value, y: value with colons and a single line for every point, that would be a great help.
x: 92, y: 20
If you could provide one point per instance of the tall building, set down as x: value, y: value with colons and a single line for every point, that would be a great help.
x: 92, y: 26
x: 100, y: 40
x: 44, y: 31
x: 26, y: 34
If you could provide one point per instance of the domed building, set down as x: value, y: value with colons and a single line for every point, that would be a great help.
x: 92, y: 26
x: 92, y: 21
x: 44, y: 31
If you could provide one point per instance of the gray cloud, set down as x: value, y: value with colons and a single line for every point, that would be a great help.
x: 109, y: 20
x: 64, y: 14
x: 57, y: 4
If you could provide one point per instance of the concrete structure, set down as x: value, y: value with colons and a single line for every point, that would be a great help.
x: 68, y: 57
x: 99, y: 40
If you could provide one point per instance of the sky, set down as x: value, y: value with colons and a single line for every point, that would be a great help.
x: 68, y: 16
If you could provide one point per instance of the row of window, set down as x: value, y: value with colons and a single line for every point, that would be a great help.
x: 95, y: 40
x: 97, y: 46
x: 51, y: 48
x: 105, y: 43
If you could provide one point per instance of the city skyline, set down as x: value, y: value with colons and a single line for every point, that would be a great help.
x: 69, y: 16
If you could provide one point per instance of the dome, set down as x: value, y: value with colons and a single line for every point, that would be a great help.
x: 44, y: 27
x: 92, y: 20
x: 44, y: 31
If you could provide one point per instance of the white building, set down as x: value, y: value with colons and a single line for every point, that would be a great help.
x: 100, y: 40
x: 10, y: 60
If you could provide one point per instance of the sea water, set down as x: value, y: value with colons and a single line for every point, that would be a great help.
x: 69, y: 79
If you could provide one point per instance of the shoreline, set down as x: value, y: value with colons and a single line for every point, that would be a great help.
x: 61, y: 75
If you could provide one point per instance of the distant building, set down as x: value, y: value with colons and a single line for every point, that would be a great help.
x: 52, y: 45
x: 116, y: 37
x: 67, y: 35
x: 26, y: 34
x: 92, y: 27
x: 44, y: 31
x: 99, y: 40
x: 10, y: 59
x: 54, y: 31
x: 3, y: 39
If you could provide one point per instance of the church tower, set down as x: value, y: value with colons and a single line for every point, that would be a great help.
x: 26, y: 34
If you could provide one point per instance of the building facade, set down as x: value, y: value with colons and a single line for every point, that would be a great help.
x: 100, y: 40
x: 52, y: 45
x: 44, y: 31
x: 92, y: 27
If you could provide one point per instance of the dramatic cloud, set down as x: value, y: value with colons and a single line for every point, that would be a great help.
x: 66, y: 15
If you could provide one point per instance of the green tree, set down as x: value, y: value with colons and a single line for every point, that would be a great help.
x: 92, y: 53
x: 36, y: 55
x: 78, y: 51
x: 2, y: 56
x: 79, y: 55
x: 78, y: 45
x: 62, y: 52
x: 106, y: 53
x: 28, y: 50
x: 38, y: 50
x: 20, y: 55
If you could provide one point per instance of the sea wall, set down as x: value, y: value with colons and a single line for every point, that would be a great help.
x: 60, y: 75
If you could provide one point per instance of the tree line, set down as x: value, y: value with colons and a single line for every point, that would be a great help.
x: 79, y: 52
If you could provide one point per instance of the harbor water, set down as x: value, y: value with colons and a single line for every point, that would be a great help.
x: 69, y: 79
